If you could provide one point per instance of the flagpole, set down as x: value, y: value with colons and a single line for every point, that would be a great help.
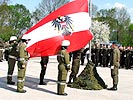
x: 90, y: 13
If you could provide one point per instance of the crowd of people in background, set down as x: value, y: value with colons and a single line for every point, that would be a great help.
x: 101, y: 55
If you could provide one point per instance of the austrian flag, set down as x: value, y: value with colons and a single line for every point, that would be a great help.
x: 69, y: 22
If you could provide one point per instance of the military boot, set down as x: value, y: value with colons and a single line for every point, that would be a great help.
x: 22, y: 91
x: 114, y: 88
x: 41, y: 80
x: 69, y: 82
x: 74, y: 78
x: 70, y: 79
x: 20, y: 86
x: 42, y: 74
x: 42, y: 83
x: 9, y: 80
x: 60, y: 90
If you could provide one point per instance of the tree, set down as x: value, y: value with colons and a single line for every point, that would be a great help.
x: 131, y: 29
x: 20, y: 17
x: 123, y: 21
x: 46, y: 7
x: 107, y: 16
x: 101, y: 32
x: 4, y: 1
x: 127, y: 40
x: 13, y: 18
x: 94, y: 10
x: 5, y: 30
x: 118, y: 20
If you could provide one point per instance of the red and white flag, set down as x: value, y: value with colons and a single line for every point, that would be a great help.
x: 69, y: 22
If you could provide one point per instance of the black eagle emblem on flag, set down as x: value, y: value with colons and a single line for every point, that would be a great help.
x: 63, y: 24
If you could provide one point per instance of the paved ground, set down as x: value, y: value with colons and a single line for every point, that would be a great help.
x: 48, y: 92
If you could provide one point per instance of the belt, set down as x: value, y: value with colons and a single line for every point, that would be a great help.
x: 13, y: 57
x: 61, y: 83
x: 21, y: 80
x: 2, y: 49
x: 21, y: 59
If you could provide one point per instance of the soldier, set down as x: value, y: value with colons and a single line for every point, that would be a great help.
x: 22, y: 63
x: 6, y: 50
x: 104, y: 58
x: 121, y: 56
x: 63, y: 67
x: 12, y: 57
x: 75, y: 65
x: 128, y: 58
x: 93, y: 55
x: 70, y: 56
x: 97, y: 50
x: 1, y: 49
x: 83, y: 54
x: 101, y: 55
x: 131, y: 56
x: 115, y: 66
x: 110, y: 56
x: 43, y: 62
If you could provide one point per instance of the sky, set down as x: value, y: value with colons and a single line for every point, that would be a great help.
x: 101, y: 4
x: 105, y: 4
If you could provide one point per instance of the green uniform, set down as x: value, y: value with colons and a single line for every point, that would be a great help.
x: 12, y: 57
x: 22, y: 63
x: 75, y: 65
x: 116, y: 64
x: 63, y: 67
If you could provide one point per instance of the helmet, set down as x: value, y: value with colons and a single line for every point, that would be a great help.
x: 12, y: 38
x: 25, y: 38
x: 65, y: 43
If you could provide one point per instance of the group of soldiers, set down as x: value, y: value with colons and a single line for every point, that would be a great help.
x: 101, y: 55
x: 15, y: 51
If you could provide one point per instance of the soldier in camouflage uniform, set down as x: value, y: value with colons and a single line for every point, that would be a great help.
x: 63, y: 67
x: 12, y: 57
x: 115, y: 66
x: 43, y: 62
x: 22, y: 63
